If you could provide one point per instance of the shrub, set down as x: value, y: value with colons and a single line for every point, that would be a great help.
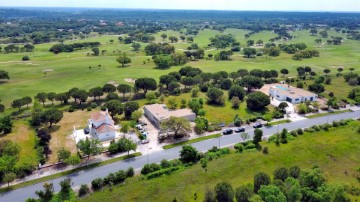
x: 281, y: 174
x: 165, y: 163
x: 175, y: 162
x: 159, y: 173
x: 93, y: 105
x: 130, y: 172
x: 250, y: 146
x: 25, y: 58
x: 149, y: 168
x: 294, y: 133
x: 239, y: 147
x: 97, y: 184
x: 71, y: 109
x: 120, y: 177
x: 300, y: 131
x: 84, y: 189
x: 294, y: 172
x: 335, y: 124
x: 265, y: 150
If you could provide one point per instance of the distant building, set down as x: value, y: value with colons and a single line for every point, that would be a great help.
x: 156, y: 113
x: 101, y: 126
x: 283, y: 92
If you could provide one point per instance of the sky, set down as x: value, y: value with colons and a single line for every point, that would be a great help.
x: 261, y: 5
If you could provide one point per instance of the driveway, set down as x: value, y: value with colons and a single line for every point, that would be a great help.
x: 85, y: 177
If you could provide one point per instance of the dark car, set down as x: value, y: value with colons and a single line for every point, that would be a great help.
x: 257, y: 125
x: 227, y: 131
x: 142, y: 123
x: 238, y: 130
x: 86, y: 131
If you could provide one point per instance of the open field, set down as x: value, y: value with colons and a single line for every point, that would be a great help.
x: 72, y: 69
x: 336, y: 152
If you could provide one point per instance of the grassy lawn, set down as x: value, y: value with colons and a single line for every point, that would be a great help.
x: 72, y: 69
x: 279, y: 122
x: 23, y: 135
x: 336, y: 152
x: 328, y: 113
x: 50, y: 177
x: 169, y: 146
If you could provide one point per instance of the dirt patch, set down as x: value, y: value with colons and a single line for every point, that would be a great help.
x: 129, y: 80
x: 47, y: 70
x: 61, y: 132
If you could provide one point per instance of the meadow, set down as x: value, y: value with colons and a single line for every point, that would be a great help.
x: 68, y: 70
x: 336, y: 152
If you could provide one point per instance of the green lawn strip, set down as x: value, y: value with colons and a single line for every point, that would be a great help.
x: 328, y: 113
x: 279, y: 122
x: 68, y: 172
x: 169, y: 146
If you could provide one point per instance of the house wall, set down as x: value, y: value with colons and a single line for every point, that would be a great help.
x: 151, y: 117
x: 106, y: 136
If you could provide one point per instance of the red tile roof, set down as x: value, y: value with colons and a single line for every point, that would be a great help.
x: 105, y: 128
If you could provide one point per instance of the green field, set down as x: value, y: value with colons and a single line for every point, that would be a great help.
x: 336, y: 152
x: 72, y: 69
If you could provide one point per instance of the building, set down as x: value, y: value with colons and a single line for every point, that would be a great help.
x: 101, y: 126
x: 156, y: 113
x: 284, y: 92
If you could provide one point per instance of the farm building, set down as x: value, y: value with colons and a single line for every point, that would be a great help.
x: 101, y: 126
x: 156, y: 113
x: 284, y: 92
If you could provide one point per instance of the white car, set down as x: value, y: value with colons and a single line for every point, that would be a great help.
x: 145, y: 141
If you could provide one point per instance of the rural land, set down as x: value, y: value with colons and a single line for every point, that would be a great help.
x: 179, y: 105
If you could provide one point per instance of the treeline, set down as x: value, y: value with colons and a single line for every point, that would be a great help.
x: 59, y: 48
x: 12, y: 48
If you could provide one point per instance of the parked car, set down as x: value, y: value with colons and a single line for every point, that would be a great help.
x: 258, y: 125
x: 145, y: 141
x: 139, y: 127
x: 142, y: 123
x: 238, y: 130
x: 228, y: 131
x: 145, y: 134
x: 86, y: 131
x: 222, y: 125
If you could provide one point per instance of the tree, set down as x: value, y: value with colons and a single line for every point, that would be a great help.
x: 324, y: 33
x: 209, y: 196
x: 89, y: 147
x: 47, y: 194
x: 129, y: 108
x: 41, y: 97
x: 146, y: 84
x: 163, y: 61
x: 96, y: 92
x: 251, y: 82
x: 215, y: 96
x: 312, y: 178
x: 272, y: 193
x: 18, y: 103
x: 123, y: 60
x: 63, y: 154
x: 260, y: 179
x: 235, y: 102
x: 294, y: 172
x: 95, y: 51
x: 172, y: 104
x: 316, y: 88
x: 115, y: 107
x: 167, y: 79
x: 124, y: 88
x: 313, y: 31
x: 126, y: 145
x: 244, y: 136
x: 318, y: 41
x: 243, y: 194
x: 234, y: 75
x: 237, y: 91
x: 258, y: 133
x: 257, y: 101
x: 292, y: 190
x: 282, y: 106
x: 189, y: 154
x: 73, y: 160
x: 178, y: 125
x: 249, y: 52
x: 51, y: 96
x: 224, y: 192
x: 52, y: 116
x: 326, y: 71
x: 284, y: 72
x: 151, y: 97
x: 163, y: 36
x: 243, y: 72
x: 173, y: 39
x: 136, y: 115
x: 9, y: 177
x: 62, y: 97
x: 4, y: 75
x: 136, y: 46
x: 109, y: 88
x: 281, y: 174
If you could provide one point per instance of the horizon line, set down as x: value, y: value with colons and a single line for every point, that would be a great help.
x: 174, y: 9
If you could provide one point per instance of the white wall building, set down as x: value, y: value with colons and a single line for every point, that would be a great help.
x: 283, y: 92
x: 156, y: 113
x: 101, y: 126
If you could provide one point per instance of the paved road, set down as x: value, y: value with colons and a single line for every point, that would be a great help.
x: 85, y: 177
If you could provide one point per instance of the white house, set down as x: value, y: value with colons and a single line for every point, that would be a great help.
x: 156, y: 113
x: 101, y: 126
x: 283, y: 92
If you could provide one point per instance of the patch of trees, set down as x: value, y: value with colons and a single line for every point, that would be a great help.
x: 9, y: 157
x: 223, y: 41
x: 304, y: 54
x: 159, y: 49
x: 223, y: 55
x: 179, y: 126
x: 257, y: 101
x: 59, y: 48
x: 165, y: 61
x: 12, y: 48
x: 292, y: 48
x: 122, y: 145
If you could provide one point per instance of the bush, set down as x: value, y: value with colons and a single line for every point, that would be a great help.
x: 293, y: 133
x: 84, y: 189
x: 97, y: 184
x: 300, y: 131
x: 71, y: 109
x: 239, y: 147
x: 309, y: 130
x: 250, y: 146
x: 25, y: 58
x: 93, y: 105
x: 316, y: 128
x: 265, y: 150
x: 165, y: 163
x: 159, y: 173
x: 130, y: 172
x: 149, y: 168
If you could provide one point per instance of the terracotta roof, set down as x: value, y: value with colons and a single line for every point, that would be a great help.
x: 100, y: 116
x: 105, y: 128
